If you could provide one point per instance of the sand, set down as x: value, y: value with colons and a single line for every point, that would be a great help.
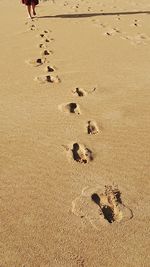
x: 74, y: 134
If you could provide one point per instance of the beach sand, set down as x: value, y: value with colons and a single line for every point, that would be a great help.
x: 74, y: 134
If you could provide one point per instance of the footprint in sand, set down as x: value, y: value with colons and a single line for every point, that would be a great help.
x: 44, y: 33
x: 72, y: 108
x: 118, y: 17
x: 92, y: 127
x: 102, y: 25
x: 48, y: 79
x: 108, y: 33
x: 47, y: 31
x: 101, y: 207
x: 135, y: 23
x: 47, y: 40
x: 75, y: 7
x: 50, y: 69
x: 33, y: 27
x: 44, y: 37
x: 37, y: 62
x: 47, y: 52
x: 79, y: 92
x: 80, y: 153
x: 42, y: 46
x: 112, y: 32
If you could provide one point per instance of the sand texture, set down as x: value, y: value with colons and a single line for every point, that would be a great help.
x: 75, y: 134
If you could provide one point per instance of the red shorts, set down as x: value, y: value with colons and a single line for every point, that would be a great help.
x: 29, y: 2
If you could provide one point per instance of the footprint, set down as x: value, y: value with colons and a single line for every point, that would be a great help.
x: 75, y: 7
x: 92, y: 127
x: 112, y: 32
x: 37, y: 62
x: 108, y: 204
x: 116, y: 30
x: 47, y: 31
x: 108, y: 33
x: 79, y: 92
x: 42, y: 46
x: 102, y: 25
x: 47, y: 40
x: 101, y: 207
x: 70, y: 108
x: 48, y: 79
x: 80, y: 153
x: 32, y: 28
x: 46, y: 52
x: 44, y: 33
x: 49, y: 69
x: 136, y: 23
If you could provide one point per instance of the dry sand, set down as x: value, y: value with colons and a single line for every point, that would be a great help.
x: 66, y: 134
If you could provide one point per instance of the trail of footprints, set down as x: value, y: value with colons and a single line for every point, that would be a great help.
x: 135, y: 28
x: 79, y: 152
x: 99, y: 208
x: 44, y: 58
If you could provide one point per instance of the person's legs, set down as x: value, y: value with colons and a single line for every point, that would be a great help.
x: 33, y: 8
x: 29, y: 11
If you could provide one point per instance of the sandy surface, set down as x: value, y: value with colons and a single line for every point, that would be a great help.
x: 74, y: 143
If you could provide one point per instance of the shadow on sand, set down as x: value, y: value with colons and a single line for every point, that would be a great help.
x: 73, y: 16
